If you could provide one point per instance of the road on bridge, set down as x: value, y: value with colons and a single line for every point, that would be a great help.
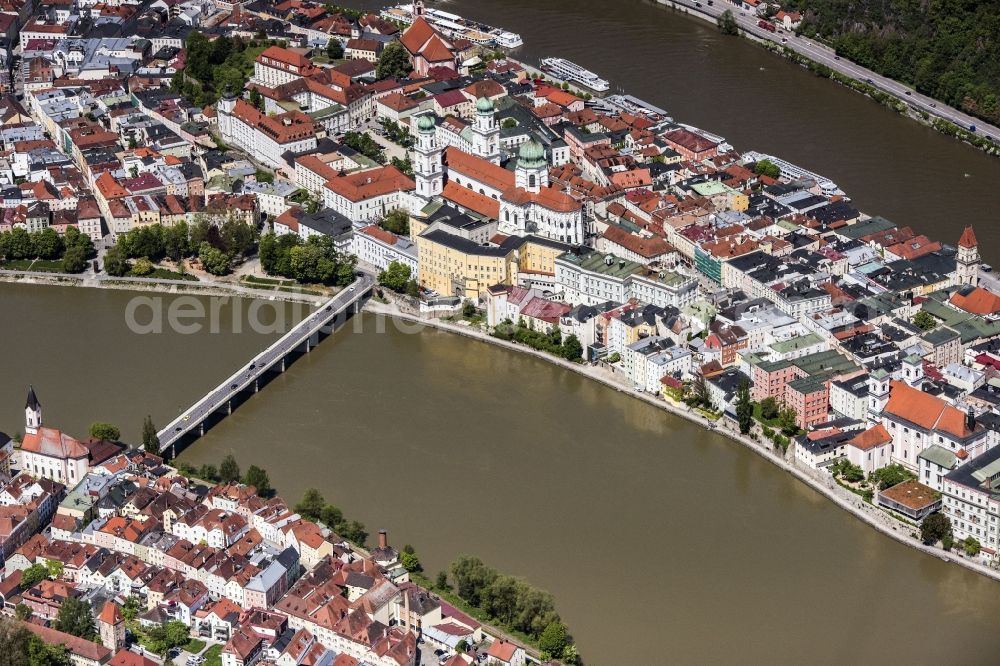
x: 222, y: 393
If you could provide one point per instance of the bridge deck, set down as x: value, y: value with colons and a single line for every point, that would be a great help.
x: 264, y: 361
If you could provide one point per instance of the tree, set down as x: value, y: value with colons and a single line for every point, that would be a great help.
x: 105, y: 431
x: 175, y: 241
x: 924, y: 320
x: 744, y: 407
x: 334, y: 49
x: 40, y: 653
x: 890, y: 475
x: 508, y: 123
x: 33, y: 575
x: 441, y: 582
x: 212, y: 260
x: 150, y: 440
x: 410, y: 562
x: 395, y: 276
x: 256, y: 99
x: 257, y: 477
x: 311, y: 505
x: 767, y: 168
x: 934, y: 528
x: 787, y: 421
x: 553, y: 640
x: 229, y: 470
x: 47, y: 244
x: 769, y: 408
x: 74, y: 259
x: 462, y: 646
x: 397, y: 222
x: 413, y: 289
x: 131, y: 608
x: 393, y: 63
x: 971, y: 546
x: 75, y: 618
x: 699, y: 391
x: 727, y: 23
x: 332, y: 517
x: 115, y: 262
x: 208, y: 472
x: 142, y: 267
x: 472, y: 578
x: 21, y: 611
x: 572, y: 348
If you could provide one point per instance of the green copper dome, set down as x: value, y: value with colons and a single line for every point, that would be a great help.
x: 531, y: 154
x: 484, y: 105
x: 426, y: 123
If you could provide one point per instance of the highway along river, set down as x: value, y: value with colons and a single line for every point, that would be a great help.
x: 889, y: 165
x: 662, y: 543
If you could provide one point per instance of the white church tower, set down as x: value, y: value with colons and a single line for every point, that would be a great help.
x: 532, y: 172
x: 968, y: 260
x: 878, y: 395
x: 224, y: 110
x: 428, y: 171
x: 486, y: 131
x: 32, y: 413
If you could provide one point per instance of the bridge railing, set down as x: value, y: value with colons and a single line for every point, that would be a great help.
x: 305, y: 328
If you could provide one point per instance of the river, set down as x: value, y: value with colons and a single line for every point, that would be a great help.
x: 663, y: 543
x: 888, y: 164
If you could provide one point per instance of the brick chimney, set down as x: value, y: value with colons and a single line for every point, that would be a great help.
x: 383, y: 539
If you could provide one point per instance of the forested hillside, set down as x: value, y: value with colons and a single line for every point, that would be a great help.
x: 948, y: 49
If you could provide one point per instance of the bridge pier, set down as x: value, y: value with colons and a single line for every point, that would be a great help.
x: 229, y: 407
x: 201, y: 428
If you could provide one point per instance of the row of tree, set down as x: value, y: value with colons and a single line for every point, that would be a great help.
x: 568, y: 347
x: 948, y: 50
x: 513, y: 603
x: 74, y: 248
x: 216, y: 240
x: 366, y: 145
x: 228, y: 471
x: 316, y: 260
x: 315, y: 508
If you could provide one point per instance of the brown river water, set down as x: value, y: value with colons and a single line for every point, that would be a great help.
x: 663, y: 543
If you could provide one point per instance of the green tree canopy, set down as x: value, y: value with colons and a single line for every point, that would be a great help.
x: 934, y: 528
x: 75, y: 618
x: 395, y: 276
x: 744, y: 407
x: 150, y: 440
x: 394, y: 62
x: 257, y: 477
x: 229, y: 470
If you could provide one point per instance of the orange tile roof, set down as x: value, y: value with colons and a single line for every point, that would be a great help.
x: 874, y: 436
x: 54, y: 443
x: 369, y: 184
x: 479, y: 169
x: 968, y: 238
x: 978, y: 301
x: 474, y: 201
x: 925, y: 410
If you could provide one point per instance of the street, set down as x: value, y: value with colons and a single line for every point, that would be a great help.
x: 748, y: 23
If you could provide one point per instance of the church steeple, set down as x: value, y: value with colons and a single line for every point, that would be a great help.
x: 486, y: 131
x: 428, y: 171
x: 968, y: 260
x: 32, y: 413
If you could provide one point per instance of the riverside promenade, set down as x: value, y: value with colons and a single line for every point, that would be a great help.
x: 821, y: 483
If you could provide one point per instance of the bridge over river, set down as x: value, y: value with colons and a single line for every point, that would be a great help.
x: 235, y: 389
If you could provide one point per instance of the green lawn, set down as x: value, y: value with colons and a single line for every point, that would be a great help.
x: 195, y: 646
x: 17, y: 264
x: 268, y: 281
x: 213, y: 656
x: 167, y: 274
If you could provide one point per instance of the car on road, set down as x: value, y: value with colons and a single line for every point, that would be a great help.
x: 869, y: 81
x: 329, y: 307
x: 253, y: 365
x: 351, y: 288
x: 908, y: 92
x: 836, y: 57
x: 972, y: 128
x: 933, y: 105
x: 234, y: 386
